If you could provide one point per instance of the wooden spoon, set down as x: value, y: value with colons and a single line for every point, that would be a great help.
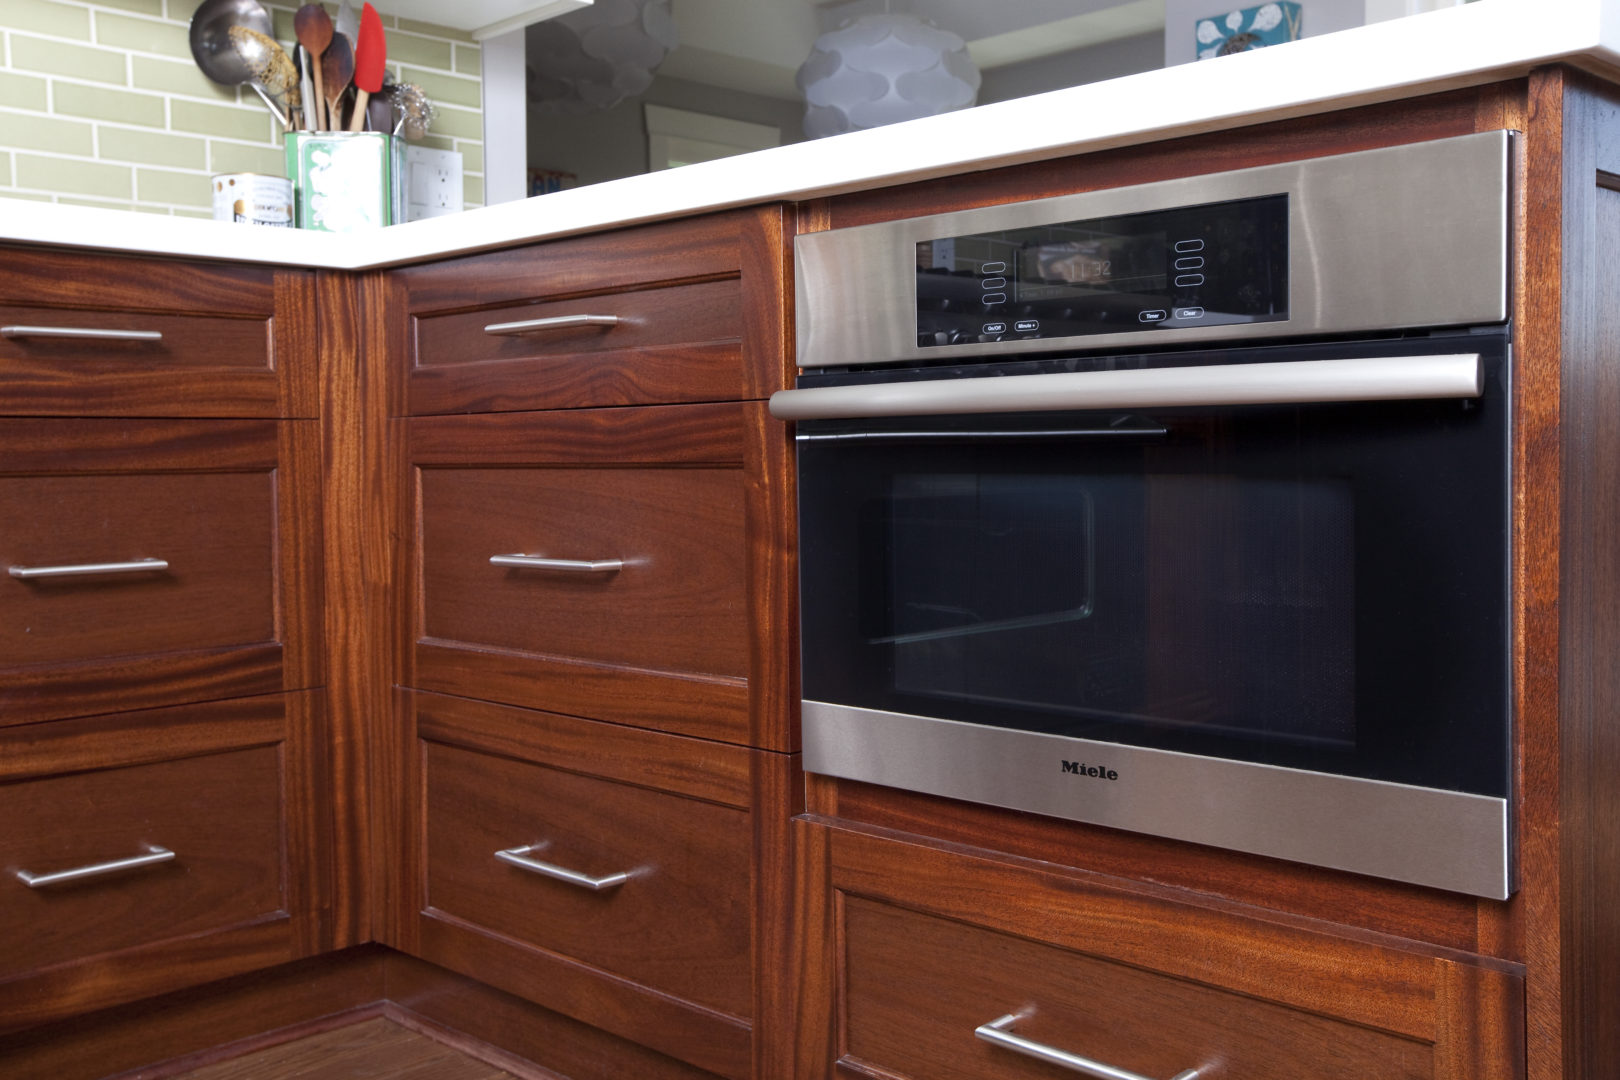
x: 337, y: 68
x: 370, y: 62
x: 313, y: 26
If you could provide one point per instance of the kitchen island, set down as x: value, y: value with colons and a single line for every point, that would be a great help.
x: 395, y: 703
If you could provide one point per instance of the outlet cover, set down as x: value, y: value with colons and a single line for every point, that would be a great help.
x: 432, y: 182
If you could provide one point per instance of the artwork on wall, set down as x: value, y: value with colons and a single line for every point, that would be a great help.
x: 1247, y: 28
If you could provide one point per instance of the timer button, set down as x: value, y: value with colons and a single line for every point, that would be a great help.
x: 1152, y: 316
x: 1189, y: 245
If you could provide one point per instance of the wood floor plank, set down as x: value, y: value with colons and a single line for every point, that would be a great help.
x: 375, y: 1049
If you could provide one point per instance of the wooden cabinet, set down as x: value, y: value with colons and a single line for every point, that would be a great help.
x: 161, y: 719
x: 943, y: 954
x: 598, y: 619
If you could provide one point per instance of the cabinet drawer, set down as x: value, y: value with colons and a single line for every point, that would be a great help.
x: 651, y: 572
x: 675, y: 343
x: 149, y: 851
x: 676, y: 922
x: 88, y: 335
x: 161, y: 561
x: 954, y: 966
x: 622, y: 562
x: 215, y: 820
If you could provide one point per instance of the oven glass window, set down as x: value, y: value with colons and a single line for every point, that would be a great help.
x: 1219, y: 604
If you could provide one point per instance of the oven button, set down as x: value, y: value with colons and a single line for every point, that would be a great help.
x: 1026, y: 326
x: 1187, y: 281
x: 993, y: 283
x: 993, y: 268
x: 1155, y: 315
x: 995, y: 298
x: 993, y: 328
x: 1189, y: 313
x: 1189, y: 245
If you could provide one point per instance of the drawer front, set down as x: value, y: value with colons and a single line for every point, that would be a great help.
x: 210, y: 828
x: 145, y: 563
x: 917, y: 988
x: 89, y: 335
x: 667, y: 591
x: 195, y: 548
x: 678, y: 923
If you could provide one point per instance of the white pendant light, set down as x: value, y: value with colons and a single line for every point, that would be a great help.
x: 597, y: 56
x: 881, y: 69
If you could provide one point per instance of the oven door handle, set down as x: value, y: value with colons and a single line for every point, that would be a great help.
x: 1377, y: 378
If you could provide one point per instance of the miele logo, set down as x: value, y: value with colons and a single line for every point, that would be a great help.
x: 1080, y: 768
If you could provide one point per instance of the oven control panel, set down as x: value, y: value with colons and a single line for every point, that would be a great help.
x: 1215, y: 264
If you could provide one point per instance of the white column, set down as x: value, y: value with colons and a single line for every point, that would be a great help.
x: 506, y: 119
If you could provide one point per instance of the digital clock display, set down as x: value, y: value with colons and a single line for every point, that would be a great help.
x: 1192, y: 265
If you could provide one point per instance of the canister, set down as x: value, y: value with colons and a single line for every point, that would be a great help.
x: 253, y: 198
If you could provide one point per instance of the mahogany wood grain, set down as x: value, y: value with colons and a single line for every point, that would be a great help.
x: 1538, y: 479
x: 767, y: 314
x: 711, y: 1041
x: 667, y: 435
x: 675, y: 343
x: 234, y: 338
x: 226, y: 786
x: 1390, y: 986
x: 1446, y: 919
x: 162, y: 1036
x: 361, y: 348
x: 680, y: 924
x: 629, y: 258
x: 227, y: 503
x: 375, y: 1048
x: 1436, y: 116
x: 916, y: 987
x: 778, y: 795
x: 559, y: 1046
x: 696, y: 768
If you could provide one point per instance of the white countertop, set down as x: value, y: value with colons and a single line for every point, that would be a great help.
x: 1454, y: 47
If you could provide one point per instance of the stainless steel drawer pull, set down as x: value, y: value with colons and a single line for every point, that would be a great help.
x: 80, y: 333
x: 138, y: 566
x: 519, y: 857
x: 574, y: 566
x: 153, y: 856
x: 1373, y: 378
x: 556, y: 322
x: 1000, y: 1033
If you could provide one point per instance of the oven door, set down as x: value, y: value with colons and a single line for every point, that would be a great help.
x: 1278, y: 627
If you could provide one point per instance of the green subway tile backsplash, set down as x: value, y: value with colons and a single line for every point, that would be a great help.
x: 100, y: 103
x: 48, y: 17
x: 103, y: 103
x: 73, y: 177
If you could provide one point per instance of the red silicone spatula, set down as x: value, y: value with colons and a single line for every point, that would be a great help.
x: 370, y: 62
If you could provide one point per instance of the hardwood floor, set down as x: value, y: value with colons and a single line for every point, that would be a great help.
x: 376, y: 1049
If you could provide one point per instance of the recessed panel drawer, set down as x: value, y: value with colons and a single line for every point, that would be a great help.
x: 641, y: 567
x: 201, y: 839
x: 92, y: 335
x: 101, y: 566
x: 642, y: 884
x: 918, y: 988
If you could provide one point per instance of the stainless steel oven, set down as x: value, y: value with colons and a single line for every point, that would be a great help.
x: 1182, y: 508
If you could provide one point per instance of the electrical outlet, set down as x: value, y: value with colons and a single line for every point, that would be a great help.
x: 432, y: 182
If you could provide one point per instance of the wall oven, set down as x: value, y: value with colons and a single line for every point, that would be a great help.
x: 1181, y: 508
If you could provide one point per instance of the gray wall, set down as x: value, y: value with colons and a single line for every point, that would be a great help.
x: 1316, y: 17
x: 1127, y: 56
x: 610, y: 143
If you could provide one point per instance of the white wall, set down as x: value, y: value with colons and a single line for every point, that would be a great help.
x: 1126, y: 56
x: 1316, y: 17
